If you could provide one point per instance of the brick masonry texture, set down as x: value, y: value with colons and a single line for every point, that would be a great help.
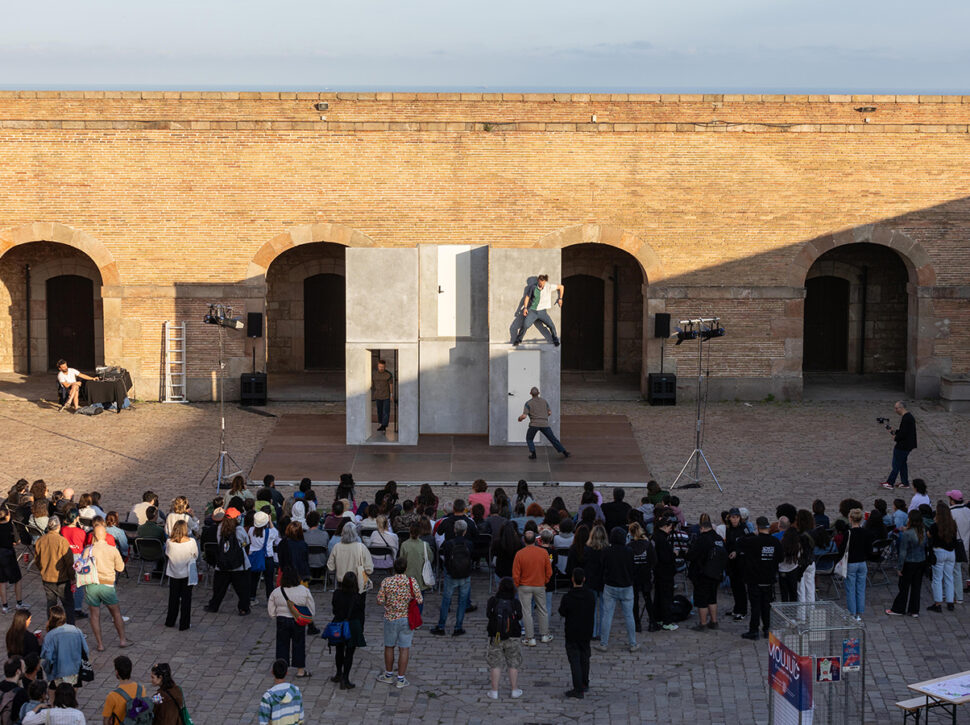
x: 186, y: 198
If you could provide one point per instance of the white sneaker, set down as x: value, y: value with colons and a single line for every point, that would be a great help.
x: 671, y: 627
x: 125, y: 619
x: 386, y: 679
x: 401, y: 682
x: 492, y: 694
x: 516, y: 694
x: 546, y: 638
x: 529, y: 642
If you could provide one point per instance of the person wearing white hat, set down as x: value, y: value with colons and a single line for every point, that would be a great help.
x: 264, y: 539
x: 181, y: 553
x: 961, y: 515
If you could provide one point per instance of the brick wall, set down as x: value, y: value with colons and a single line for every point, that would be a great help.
x: 187, y: 194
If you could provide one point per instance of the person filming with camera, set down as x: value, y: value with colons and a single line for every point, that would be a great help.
x: 905, y: 437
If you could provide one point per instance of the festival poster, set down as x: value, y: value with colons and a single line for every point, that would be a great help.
x: 828, y: 669
x: 851, y: 654
x: 790, y: 676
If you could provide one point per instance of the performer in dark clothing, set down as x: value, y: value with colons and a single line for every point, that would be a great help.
x: 762, y: 554
x: 905, y: 437
x: 578, y: 607
x: 663, y: 573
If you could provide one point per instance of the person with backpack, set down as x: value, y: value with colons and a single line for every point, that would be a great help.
x: 504, y: 613
x: 12, y: 695
x: 169, y: 699
x: 181, y: 553
x: 232, y: 567
x: 127, y: 704
x: 578, y: 608
x: 707, y: 559
x: 457, y: 554
x: 62, y: 711
x: 531, y: 570
x: 644, y: 560
x: 291, y: 604
x: 263, y: 540
x: 108, y: 562
x: 348, y: 606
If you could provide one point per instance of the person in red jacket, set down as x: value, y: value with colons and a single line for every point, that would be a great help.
x: 531, y: 569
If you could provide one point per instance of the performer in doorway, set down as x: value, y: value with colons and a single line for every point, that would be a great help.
x: 538, y: 411
x: 905, y: 437
x: 68, y: 378
x: 536, y: 305
x: 382, y: 390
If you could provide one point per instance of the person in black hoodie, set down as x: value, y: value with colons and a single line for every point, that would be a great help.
x: 617, y: 589
x: 578, y: 608
x: 762, y: 554
x: 644, y: 560
x: 664, y: 572
x: 593, y: 554
x: 702, y: 570
x: 734, y: 533
x: 617, y: 511
x: 504, y: 613
x: 348, y: 606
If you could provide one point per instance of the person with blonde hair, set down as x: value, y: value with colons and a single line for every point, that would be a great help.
x: 382, y: 536
x: 181, y: 511
x: 108, y: 562
x: 182, y: 553
x: 859, y: 545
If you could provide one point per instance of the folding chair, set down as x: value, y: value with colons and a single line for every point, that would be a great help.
x: 150, y: 551
x: 318, y: 550
x: 825, y: 568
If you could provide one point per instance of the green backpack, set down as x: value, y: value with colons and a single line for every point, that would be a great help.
x: 138, y: 710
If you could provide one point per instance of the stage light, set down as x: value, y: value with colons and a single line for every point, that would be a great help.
x: 222, y: 315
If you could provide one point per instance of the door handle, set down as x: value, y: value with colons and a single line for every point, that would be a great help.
x: 440, y: 291
x: 511, y: 395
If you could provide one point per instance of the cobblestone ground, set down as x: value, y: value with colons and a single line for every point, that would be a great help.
x: 763, y: 454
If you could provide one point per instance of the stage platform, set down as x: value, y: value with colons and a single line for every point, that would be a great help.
x: 602, y: 446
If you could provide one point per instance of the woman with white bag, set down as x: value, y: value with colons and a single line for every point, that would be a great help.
x: 182, y: 571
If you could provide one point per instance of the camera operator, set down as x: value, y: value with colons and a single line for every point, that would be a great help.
x: 905, y: 437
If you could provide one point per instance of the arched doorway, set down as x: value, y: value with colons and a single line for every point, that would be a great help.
x: 602, y: 323
x: 856, y: 319
x: 52, y: 294
x: 306, y: 323
x: 70, y: 321
x: 324, y: 321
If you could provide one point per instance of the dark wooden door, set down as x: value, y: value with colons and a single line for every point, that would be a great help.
x: 70, y: 322
x: 324, y: 322
x: 582, y: 323
x: 826, y: 342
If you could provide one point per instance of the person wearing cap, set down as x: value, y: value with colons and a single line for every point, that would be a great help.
x: 263, y: 540
x: 761, y: 553
x: 961, y: 516
x: 182, y: 553
x: 735, y: 532
x: 210, y: 528
x: 538, y: 412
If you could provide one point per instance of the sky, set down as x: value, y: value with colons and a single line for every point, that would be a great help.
x: 856, y: 46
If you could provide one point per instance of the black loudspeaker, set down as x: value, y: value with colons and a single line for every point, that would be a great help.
x: 661, y: 324
x: 661, y: 389
x: 254, y: 324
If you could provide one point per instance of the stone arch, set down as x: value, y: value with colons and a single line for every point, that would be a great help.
x: 63, y: 234
x: 614, y: 236
x: 914, y: 256
x: 303, y: 234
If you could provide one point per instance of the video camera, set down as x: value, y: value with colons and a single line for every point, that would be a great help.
x: 884, y: 422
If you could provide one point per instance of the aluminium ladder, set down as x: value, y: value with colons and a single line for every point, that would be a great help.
x: 175, y: 363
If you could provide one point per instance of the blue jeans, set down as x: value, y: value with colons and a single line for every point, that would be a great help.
x: 537, y: 317
x: 612, y: 596
x: 383, y: 411
x: 900, y: 466
x: 943, y: 575
x: 855, y: 588
x: 547, y: 432
x: 448, y: 587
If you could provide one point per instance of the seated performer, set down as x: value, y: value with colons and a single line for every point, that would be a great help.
x: 68, y: 379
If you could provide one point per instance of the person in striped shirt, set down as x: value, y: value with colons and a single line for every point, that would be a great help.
x: 282, y: 704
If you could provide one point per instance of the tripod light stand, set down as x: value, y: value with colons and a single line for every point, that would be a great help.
x: 695, y: 329
x: 222, y: 316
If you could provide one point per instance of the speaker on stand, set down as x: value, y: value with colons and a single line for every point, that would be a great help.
x: 253, y: 386
x: 661, y: 388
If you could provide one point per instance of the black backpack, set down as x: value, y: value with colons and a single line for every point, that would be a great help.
x: 717, y: 559
x: 230, y: 554
x: 505, y: 624
x: 459, y: 562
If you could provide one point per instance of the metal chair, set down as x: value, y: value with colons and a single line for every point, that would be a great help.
x: 402, y: 535
x: 318, y: 550
x: 559, y: 577
x: 825, y: 567
x: 150, y: 551
x: 210, y: 554
x: 85, y: 523
x: 129, y: 527
x: 883, y: 554
x: 382, y: 552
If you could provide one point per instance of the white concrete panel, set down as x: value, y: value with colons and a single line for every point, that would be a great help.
x: 382, y: 295
x: 454, y: 290
x: 524, y: 373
